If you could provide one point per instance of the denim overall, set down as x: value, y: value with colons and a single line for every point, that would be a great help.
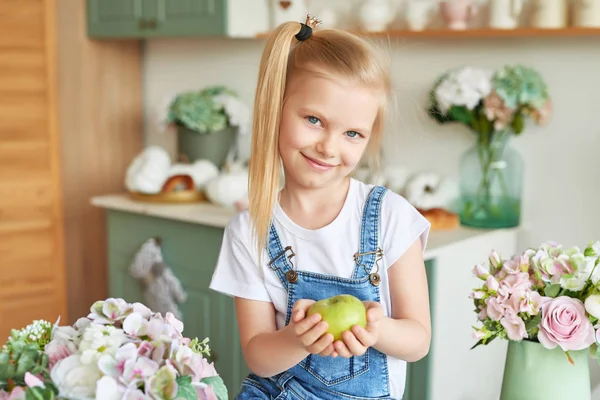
x: 328, y: 378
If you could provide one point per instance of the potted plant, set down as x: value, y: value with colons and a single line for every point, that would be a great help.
x: 494, y: 105
x: 208, y: 122
x: 546, y: 303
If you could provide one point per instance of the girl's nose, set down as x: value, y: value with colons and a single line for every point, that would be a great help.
x: 326, y: 145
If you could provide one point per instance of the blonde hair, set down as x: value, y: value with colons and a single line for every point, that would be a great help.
x: 337, y: 53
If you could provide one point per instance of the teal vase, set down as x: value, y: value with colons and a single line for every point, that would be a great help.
x: 491, y: 181
x: 533, y: 372
x: 213, y: 146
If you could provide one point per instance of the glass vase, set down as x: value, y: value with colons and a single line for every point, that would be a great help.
x: 491, y: 180
x: 533, y: 372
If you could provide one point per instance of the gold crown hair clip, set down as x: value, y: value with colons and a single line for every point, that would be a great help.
x: 307, y: 27
x: 312, y: 21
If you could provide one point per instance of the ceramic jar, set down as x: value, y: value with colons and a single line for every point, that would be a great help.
x: 504, y: 14
x: 375, y: 15
x: 418, y: 14
x: 587, y: 13
x: 550, y: 14
x: 458, y: 13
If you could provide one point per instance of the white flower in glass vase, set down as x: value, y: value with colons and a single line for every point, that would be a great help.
x: 465, y: 86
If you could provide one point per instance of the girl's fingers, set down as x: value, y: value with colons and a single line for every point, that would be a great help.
x: 353, y: 345
x: 341, y: 349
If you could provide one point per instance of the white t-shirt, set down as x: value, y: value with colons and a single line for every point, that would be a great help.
x: 322, y: 251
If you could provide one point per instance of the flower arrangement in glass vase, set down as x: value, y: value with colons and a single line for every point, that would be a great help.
x: 546, y: 302
x: 493, y: 105
x: 119, y: 351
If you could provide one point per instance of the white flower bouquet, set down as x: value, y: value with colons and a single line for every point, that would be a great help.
x: 119, y: 351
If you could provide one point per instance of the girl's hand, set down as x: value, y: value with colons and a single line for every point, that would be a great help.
x: 310, y: 332
x: 358, y: 340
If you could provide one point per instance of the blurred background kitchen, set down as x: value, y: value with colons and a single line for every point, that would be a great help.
x: 109, y: 148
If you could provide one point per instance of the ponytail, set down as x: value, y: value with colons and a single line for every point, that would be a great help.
x: 264, y: 165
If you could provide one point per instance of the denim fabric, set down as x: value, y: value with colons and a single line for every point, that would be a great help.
x: 327, y: 378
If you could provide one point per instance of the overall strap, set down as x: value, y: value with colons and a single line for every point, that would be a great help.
x: 279, y: 259
x: 370, y: 252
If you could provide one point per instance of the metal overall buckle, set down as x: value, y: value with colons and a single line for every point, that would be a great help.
x: 374, y: 277
x: 291, y: 275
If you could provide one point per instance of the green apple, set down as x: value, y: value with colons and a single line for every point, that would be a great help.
x: 341, y: 313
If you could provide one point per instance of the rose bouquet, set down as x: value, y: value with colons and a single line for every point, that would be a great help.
x: 119, y: 351
x: 548, y: 295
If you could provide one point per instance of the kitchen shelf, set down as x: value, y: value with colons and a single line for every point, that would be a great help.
x: 479, y: 33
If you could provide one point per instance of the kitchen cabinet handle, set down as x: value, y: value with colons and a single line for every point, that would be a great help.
x: 152, y: 24
x: 142, y: 24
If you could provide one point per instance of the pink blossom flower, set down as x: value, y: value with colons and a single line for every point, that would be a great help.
x: 57, y: 350
x: 145, y: 349
x: 564, y: 323
x: 514, y: 326
x: 482, y: 314
x: 478, y: 294
x: 18, y: 393
x: 492, y: 283
x: 495, y: 309
x: 33, y: 381
x: 527, y: 301
x: 514, y: 283
x: 205, y: 392
x: 495, y: 260
x: 480, y: 271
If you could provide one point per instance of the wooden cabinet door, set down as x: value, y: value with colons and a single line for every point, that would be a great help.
x: 32, y: 270
x: 116, y: 18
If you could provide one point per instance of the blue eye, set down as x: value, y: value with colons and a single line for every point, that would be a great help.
x: 313, y: 120
x: 353, y: 134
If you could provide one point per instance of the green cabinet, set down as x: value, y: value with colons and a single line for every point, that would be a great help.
x: 156, y: 18
x: 191, y: 251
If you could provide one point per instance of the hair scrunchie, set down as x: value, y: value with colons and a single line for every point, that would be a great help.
x: 305, y: 32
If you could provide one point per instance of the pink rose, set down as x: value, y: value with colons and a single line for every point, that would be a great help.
x: 565, y: 324
x: 514, y: 325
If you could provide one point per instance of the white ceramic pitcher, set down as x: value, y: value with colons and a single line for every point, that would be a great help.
x: 504, y: 14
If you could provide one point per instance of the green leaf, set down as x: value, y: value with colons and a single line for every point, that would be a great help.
x: 552, y: 290
x: 461, y: 114
x: 216, y: 382
x: 518, y: 123
x: 484, y: 341
x: 185, y: 390
x: 534, y: 322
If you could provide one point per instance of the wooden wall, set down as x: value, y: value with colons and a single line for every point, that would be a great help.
x: 100, y: 93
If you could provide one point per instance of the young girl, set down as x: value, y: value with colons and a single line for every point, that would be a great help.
x: 319, y: 108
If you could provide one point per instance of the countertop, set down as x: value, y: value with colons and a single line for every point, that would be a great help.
x: 213, y: 215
